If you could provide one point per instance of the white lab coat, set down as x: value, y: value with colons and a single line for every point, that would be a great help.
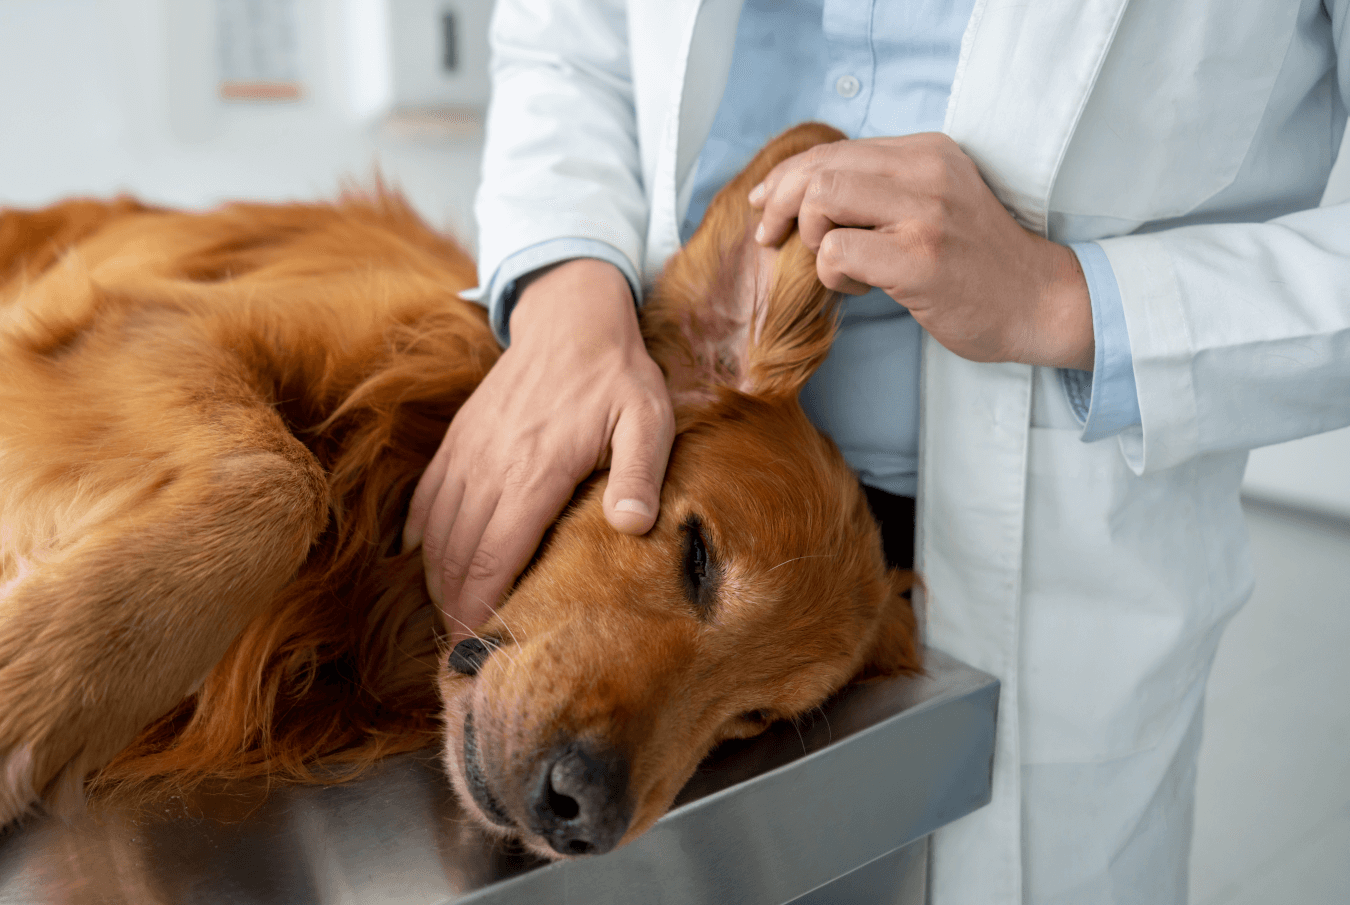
x: 1092, y: 579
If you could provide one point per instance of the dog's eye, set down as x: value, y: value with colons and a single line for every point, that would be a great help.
x: 699, y: 569
x: 757, y: 717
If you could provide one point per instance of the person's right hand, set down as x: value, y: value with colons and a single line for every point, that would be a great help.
x: 575, y: 391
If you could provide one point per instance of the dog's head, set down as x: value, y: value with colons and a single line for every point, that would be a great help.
x: 619, y: 662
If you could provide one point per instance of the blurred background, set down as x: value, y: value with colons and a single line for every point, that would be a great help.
x: 193, y: 102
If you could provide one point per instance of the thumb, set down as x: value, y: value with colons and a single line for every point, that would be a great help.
x: 641, y: 448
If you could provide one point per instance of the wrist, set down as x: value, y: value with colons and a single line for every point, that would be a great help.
x: 579, y: 288
x: 1066, y: 318
x: 583, y: 305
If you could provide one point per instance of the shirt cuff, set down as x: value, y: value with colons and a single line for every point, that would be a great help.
x: 1105, y: 399
x: 499, y: 294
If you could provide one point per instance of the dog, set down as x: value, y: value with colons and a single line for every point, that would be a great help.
x: 210, y: 429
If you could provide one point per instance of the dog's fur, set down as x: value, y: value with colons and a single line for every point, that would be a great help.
x: 210, y: 427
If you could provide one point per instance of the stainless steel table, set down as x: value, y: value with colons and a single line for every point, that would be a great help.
x: 836, y: 809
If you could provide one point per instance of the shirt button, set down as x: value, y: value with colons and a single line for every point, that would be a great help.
x: 847, y: 86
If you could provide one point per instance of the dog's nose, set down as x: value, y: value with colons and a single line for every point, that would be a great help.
x: 579, y: 799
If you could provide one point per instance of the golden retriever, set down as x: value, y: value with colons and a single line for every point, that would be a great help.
x: 210, y: 428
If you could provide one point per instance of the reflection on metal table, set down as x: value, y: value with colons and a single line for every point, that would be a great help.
x: 845, y: 797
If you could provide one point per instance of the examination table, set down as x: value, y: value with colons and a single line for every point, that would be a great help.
x: 836, y: 809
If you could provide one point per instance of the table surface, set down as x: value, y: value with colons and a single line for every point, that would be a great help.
x: 763, y: 820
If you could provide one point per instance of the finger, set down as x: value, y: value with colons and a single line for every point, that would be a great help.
x: 850, y: 286
x: 518, y: 524
x: 428, y: 488
x: 760, y: 194
x: 463, y: 554
x: 782, y: 196
x: 782, y: 191
x: 850, y: 259
x: 439, y: 523
x: 641, y: 449
x: 909, y: 159
x: 849, y: 198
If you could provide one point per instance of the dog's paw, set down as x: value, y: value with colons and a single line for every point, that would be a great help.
x: 23, y: 793
x: 48, y: 745
x: 69, y: 702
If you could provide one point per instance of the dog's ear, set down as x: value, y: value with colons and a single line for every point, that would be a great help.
x: 728, y: 312
x: 894, y: 649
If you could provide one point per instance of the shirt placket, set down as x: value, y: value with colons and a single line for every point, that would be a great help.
x: 850, y: 74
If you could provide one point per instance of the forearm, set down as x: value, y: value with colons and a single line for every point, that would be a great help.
x: 560, y: 158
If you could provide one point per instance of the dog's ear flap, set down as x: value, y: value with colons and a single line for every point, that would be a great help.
x: 752, y: 318
x: 894, y: 649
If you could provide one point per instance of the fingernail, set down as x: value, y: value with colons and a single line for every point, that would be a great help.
x: 757, y: 194
x: 759, y: 233
x: 637, y: 506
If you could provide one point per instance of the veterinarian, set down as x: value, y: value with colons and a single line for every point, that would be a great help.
x: 1111, y: 257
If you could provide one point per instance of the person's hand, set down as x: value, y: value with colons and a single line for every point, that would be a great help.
x: 912, y: 216
x: 575, y: 384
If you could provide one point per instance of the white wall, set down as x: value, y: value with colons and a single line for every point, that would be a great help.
x: 1312, y: 473
x: 102, y: 96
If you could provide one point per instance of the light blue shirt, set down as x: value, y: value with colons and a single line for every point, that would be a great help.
x: 869, y: 68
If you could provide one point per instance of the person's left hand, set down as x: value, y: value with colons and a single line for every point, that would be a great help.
x: 912, y: 216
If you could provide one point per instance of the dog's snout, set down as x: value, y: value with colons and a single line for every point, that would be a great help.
x: 579, y: 799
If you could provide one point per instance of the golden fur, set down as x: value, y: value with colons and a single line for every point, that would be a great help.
x: 212, y: 424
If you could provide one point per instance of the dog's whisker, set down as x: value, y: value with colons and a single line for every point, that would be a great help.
x: 531, y: 678
x: 828, y: 728
x: 801, y: 738
x: 514, y: 654
x: 506, y: 625
x: 474, y: 632
x: 796, y: 558
x: 398, y: 646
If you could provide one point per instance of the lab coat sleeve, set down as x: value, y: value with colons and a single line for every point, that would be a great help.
x: 560, y: 158
x: 1240, y: 332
